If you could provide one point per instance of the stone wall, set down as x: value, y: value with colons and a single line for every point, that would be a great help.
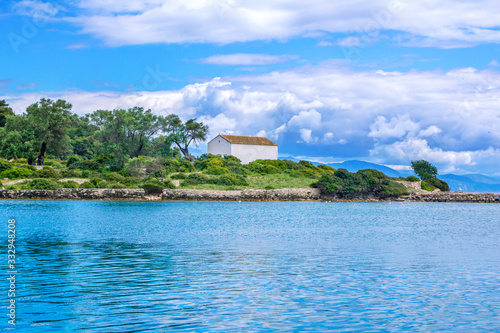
x: 73, y: 193
x: 453, y: 197
x: 413, y: 185
x: 292, y: 194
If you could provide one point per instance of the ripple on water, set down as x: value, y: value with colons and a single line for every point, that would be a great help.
x: 118, y: 266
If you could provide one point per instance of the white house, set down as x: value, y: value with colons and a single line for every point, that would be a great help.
x: 246, y: 148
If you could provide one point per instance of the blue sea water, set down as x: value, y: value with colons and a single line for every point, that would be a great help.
x: 116, y: 266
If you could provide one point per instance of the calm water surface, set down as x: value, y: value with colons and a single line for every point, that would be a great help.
x: 301, y: 266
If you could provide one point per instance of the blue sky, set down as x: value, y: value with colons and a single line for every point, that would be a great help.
x: 381, y: 81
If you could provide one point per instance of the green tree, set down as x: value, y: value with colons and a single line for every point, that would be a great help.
x: 50, y: 122
x: 17, y: 139
x: 424, y: 169
x: 127, y: 133
x: 184, y: 134
x: 5, y: 111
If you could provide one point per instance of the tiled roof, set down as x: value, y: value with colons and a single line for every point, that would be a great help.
x: 248, y: 140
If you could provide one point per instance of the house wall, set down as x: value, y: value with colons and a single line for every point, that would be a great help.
x: 249, y: 153
x: 219, y: 146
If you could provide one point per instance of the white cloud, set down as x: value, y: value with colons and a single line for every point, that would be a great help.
x: 310, y: 118
x: 431, y: 130
x: 396, y: 127
x: 246, y: 59
x: 306, y: 135
x: 446, y: 23
x: 451, y: 118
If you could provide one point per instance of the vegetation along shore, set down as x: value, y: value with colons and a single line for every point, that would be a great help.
x: 49, y: 152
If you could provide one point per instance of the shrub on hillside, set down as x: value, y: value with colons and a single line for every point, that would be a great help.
x: 89, y: 165
x: 41, y: 184
x: 196, y: 179
x: 345, y: 183
x: 261, y: 167
x: 4, y: 165
x: 427, y: 187
x: 113, y: 177
x: 231, y: 180
x: 72, y: 160
x: 394, y: 189
x: 412, y: 179
x: 178, y: 176
x: 47, y: 173
x: 102, y: 184
x: 17, y: 173
x: 216, y: 170
x: 87, y: 185
x: 117, y: 186
x: 71, y: 173
x: 438, y: 183
x: 151, y: 188
x: 68, y: 184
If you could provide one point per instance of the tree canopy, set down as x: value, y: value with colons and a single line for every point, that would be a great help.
x: 111, y: 137
x: 424, y: 169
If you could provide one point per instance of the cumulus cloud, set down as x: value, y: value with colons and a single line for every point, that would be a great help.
x: 444, y: 23
x: 247, y: 59
x: 396, y: 127
x: 451, y: 118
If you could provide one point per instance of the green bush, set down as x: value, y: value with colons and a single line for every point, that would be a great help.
x: 131, y: 181
x: 345, y: 183
x: 87, y: 185
x: 150, y: 188
x: 89, y: 165
x: 68, y: 184
x: 169, y: 184
x: 71, y: 173
x: 372, y: 177
x: 178, y: 176
x: 4, y: 165
x: 21, y: 160
x: 47, y: 173
x: 262, y: 168
x: 117, y: 186
x: 16, y: 173
x: 269, y: 187
x: 438, y: 183
x: 102, y: 184
x: 394, y: 189
x: 72, y: 159
x: 229, y: 180
x: 113, y: 177
x: 41, y: 184
x: 427, y: 187
x: 95, y: 180
x: 412, y: 179
x: 196, y: 178
x: 216, y: 170
x: 325, y: 169
x: 51, y: 162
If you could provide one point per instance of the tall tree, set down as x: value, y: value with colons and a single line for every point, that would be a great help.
x: 127, y: 133
x: 184, y: 134
x: 17, y: 139
x: 50, y: 121
x: 5, y: 111
x: 424, y: 169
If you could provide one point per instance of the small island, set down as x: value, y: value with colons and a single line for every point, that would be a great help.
x: 50, y: 152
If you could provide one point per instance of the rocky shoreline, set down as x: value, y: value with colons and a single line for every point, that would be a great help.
x: 292, y: 194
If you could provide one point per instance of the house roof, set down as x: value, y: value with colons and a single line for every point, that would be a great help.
x: 248, y: 140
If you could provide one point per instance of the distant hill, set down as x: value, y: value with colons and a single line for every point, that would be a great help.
x: 457, y: 183
x: 354, y: 165
x: 472, y: 183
